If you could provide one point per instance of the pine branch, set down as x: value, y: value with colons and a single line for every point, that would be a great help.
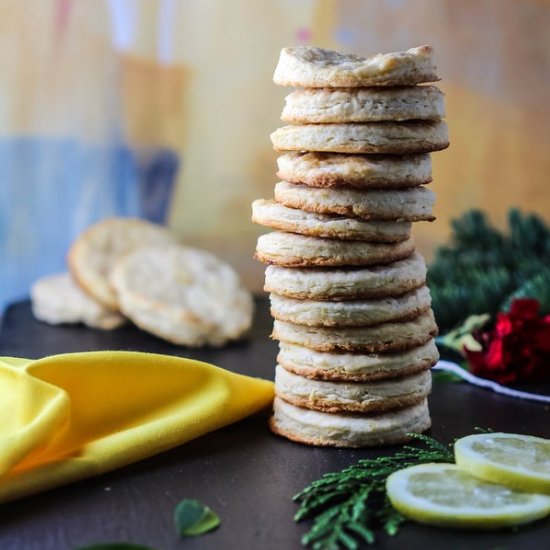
x: 537, y: 286
x: 389, y: 517
x: 473, y: 229
x: 348, y: 506
x: 483, y: 268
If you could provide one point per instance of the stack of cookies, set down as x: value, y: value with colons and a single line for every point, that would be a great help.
x: 352, y: 312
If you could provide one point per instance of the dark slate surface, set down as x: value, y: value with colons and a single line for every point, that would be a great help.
x: 243, y: 472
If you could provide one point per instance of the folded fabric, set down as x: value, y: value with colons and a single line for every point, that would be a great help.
x: 72, y: 416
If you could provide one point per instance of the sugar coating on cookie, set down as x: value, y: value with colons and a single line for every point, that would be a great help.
x: 413, y: 204
x: 312, y: 67
x: 348, y: 430
x: 347, y: 284
x: 272, y: 214
x: 356, y: 367
x: 183, y: 295
x: 95, y: 252
x: 289, y: 249
x: 386, y: 337
x: 363, y: 171
x: 326, y: 105
x: 334, y: 397
x: 367, y: 137
x: 350, y: 313
x: 57, y: 299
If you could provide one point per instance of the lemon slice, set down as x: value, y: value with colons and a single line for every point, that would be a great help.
x: 518, y: 461
x: 445, y: 495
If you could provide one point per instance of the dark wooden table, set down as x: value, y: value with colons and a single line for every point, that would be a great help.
x: 243, y: 471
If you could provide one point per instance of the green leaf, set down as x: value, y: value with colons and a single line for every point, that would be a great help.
x: 193, y: 518
x: 114, y: 546
x: 441, y: 376
x: 461, y: 336
x: 208, y: 522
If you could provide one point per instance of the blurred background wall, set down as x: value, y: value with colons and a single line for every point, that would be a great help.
x: 113, y: 107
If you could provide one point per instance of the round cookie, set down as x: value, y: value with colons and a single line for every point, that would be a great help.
x: 348, y: 430
x: 362, y: 171
x: 338, y: 105
x: 291, y: 250
x: 311, y: 67
x: 367, y: 137
x: 350, y: 313
x: 94, y: 253
x: 183, y: 295
x: 413, y: 204
x: 361, y: 397
x: 277, y: 216
x: 387, y: 337
x: 355, y: 367
x: 347, y: 284
x: 58, y: 299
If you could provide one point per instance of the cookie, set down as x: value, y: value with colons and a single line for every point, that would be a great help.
x: 183, y: 295
x: 367, y: 137
x: 291, y: 250
x: 335, y: 397
x: 355, y: 367
x: 326, y: 105
x: 362, y: 171
x: 311, y: 67
x: 277, y: 216
x: 350, y: 313
x: 387, y: 337
x: 94, y: 253
x: 348, y: 430
x: 57, y: 299
x: 347, y: 284
x: 413, y: 204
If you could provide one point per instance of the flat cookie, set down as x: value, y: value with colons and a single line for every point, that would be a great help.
x: 367, y: 137
x: 355, y: 367
x: 57, y: 299
x: 347, y: 284
x: 94, y: 253
x: 326, y: 105
x: 414, y: 204
x: 291, y: 250
x: 277, y: 216
x: 387, y: 337
x: 348, y: 430
x: 360, y: 397
x: 183, y: 295
x: 311, y: 67
x: 350, y: 313
x: 362, y: 171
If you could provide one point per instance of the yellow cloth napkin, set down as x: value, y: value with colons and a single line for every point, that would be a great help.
x: 71, y: 416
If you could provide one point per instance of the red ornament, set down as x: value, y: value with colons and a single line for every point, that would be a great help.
x: 518, y: 347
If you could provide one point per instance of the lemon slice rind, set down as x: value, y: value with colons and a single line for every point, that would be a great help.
x: 524, y: 475
x: 529, y: 507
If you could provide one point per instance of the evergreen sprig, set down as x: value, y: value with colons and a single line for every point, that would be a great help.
x: 483, y: 269
x: 348, y: 506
